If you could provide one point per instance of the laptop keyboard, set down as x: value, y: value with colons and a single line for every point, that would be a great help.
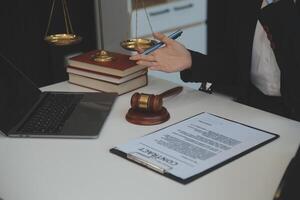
x: 50, y: 116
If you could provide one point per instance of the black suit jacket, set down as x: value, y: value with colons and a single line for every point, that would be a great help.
x: 228, y: 63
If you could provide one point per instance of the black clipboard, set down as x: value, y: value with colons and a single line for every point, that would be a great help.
x: 148, y: 165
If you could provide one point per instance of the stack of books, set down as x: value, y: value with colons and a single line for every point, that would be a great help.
x: 120, y: 75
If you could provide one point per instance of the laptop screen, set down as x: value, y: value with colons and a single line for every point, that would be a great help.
x: 17, y: 95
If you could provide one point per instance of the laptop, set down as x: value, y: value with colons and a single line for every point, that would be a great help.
x: 26, y: 111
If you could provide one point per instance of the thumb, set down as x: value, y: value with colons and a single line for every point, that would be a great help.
x: 140, y: 50
x: 163, y: 38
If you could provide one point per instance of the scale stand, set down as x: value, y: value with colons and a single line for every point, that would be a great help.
x: 102, y: 56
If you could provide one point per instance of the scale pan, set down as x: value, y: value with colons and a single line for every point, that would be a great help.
x: 134, y: 44
x: 63, y: 39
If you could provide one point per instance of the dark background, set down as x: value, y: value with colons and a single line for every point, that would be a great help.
x: 23, y: 26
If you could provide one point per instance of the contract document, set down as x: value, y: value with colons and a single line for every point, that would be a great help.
x: 193, y: 147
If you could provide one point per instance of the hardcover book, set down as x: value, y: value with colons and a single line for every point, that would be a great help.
x: 105, y: 77
x: 120, y: 65
x: 105, y: 86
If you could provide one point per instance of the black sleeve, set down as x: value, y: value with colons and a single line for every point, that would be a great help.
x: 200, y: 70
x: 281, y: 21
x: 219, y: 61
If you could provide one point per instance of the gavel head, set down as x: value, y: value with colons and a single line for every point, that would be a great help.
x: 146, y: 102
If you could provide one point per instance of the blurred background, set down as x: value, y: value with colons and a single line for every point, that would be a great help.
x: 24, y: 23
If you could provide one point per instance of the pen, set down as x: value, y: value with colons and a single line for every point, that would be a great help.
x: 173, y: 36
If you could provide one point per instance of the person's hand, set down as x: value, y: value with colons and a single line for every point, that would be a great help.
x: 172, y: 57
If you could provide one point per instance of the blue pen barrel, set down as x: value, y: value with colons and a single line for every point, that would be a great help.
x: 173, y: 36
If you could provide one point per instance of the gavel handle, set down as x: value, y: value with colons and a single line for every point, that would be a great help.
x: 173, y: 91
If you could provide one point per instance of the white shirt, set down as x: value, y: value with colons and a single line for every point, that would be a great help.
x: 265, y: 73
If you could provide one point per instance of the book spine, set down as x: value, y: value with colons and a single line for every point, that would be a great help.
x: 110, y: 82
x: 100, y: 85
x: 95, y: 72
x: 104, y: 77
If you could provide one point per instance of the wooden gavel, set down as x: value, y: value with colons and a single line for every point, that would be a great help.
x: 150, y: 102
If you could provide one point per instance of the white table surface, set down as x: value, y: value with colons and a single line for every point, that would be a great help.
x: 84, y: 169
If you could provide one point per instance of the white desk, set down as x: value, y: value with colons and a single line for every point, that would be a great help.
x: 74, y: 169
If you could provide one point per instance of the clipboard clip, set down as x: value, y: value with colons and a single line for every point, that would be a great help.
x: 146, y: 163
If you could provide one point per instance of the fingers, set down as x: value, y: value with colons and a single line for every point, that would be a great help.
x: 152, y: 65
x: 155, y: 67
x: 140, y: 50
x: 146, y: 63
x: 142, y: 57
x: 162, y: 38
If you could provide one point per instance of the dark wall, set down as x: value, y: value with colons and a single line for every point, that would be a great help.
x: 23, y: 26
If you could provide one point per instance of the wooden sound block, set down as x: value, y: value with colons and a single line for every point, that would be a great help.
x: 147, y: 118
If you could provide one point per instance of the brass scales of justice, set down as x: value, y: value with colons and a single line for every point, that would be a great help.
x: 65, y: 38
x: 68, y: 37
x: 138, y: 43
x: 146, y: 109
